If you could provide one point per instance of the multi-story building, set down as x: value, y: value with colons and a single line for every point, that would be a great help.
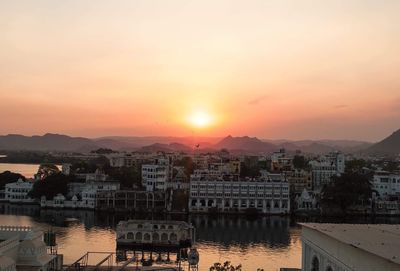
x: 128, y: 200
x: 281, y: 161
x: 323, y: 169
x: 229, y: 167
x: 345, y: 247
x: 299, y: 180
x: 18, y: 191
x: 22, y: 248
x: 229, y: 193
x: 386, y: 183
x: 156, y: 176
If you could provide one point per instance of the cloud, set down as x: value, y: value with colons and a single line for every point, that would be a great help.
x: 340, y: 106
x: 258, y: 100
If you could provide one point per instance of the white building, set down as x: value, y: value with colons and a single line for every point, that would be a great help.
x: 386, y: 184
x: 345, y: 247
x: 156, y: 176
x: 22, y: 248
x: 18, y: 192
x: 229, y: 193
x: 323, y: 169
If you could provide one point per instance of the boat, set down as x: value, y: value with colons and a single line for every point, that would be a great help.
x: 155, y: 234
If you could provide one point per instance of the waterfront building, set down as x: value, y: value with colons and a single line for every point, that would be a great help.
x: 128, y: 200
x: 306, y: 201
x: 386, y: 184
x: 22, y: 248
x: 347, y: 247
x: 157, y: 175
x: 17, y: 192
x: 230, y: 193
x: 160, y: 233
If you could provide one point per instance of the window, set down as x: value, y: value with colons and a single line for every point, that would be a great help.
x: 315, y: 264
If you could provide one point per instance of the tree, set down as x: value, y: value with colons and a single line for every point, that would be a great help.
x: 346, y: 190
x: 51, y: 186
x: 103, y: 151
x: 46, y: 170
x: 226, y: 266
x: 355, y: 165
x: 9, y: 177
x: 250, y: 167
x: 127, y: 176
x: 300, y: 162
x: 187, y: 163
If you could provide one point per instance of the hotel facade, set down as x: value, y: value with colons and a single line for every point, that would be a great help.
x: 268, y: 194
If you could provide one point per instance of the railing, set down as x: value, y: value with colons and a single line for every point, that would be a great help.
x: 9, y: 243
x: 16, y: 228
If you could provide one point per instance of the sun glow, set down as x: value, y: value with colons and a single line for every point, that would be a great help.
x: 200, y: 119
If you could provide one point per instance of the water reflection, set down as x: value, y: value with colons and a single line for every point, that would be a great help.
x: 268, y: 242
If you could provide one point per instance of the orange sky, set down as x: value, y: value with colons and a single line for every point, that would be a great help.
x: 272, y: 69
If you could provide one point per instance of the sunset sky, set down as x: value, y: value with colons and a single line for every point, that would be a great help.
x: 271, y: 69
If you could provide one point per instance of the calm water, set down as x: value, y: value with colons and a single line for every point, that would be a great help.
x: 269, y: 242
x: 28, y: 170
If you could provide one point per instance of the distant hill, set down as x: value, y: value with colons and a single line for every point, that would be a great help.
x: 321, y: 146
x: 47, y: 142
x: 172, y: 147
x: 245, y: 144
x: 388, y: 146
x: 237, y: 145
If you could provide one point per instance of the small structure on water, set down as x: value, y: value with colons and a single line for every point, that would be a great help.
x: 157, y: 234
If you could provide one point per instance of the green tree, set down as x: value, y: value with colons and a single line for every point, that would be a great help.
x: 46, y: 170
x: 127, y: 176
x: 250, y: 167
x: 226, y: 266
x: 355, y: 165
x: 300, y: 162
x: 346, y: 190
x: 51, y: 186
x: 187, y: 163
x: 9, y: 177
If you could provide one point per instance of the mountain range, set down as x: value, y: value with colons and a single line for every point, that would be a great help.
x: 244, y: 145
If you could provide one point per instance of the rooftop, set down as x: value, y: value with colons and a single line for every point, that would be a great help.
x: 381, y: 240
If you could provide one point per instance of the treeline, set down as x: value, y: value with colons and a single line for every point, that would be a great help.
x: 33, y: 157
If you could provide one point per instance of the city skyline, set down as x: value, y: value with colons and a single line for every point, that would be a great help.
x: 276, y: 69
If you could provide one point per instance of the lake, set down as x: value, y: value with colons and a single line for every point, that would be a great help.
x: 265, y: 242
x: 28, y: 170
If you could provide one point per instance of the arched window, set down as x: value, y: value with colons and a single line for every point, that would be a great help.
x: 315, y: 264
x: 138, y: 236
x: 329, y: 268
x: 164, y: 237
x: 173, y: 237
x: 129, y: 235
x: 147, y: 237
x: 156, y: 237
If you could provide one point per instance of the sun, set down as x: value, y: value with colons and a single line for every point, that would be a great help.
x: 200, y: 119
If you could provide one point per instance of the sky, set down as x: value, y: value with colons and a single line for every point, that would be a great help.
x: 272, y: 69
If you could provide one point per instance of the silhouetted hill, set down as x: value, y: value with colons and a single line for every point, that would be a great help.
x: 246, y: 144
x: 47, y: 142
x: 388, y: 146
x: 172, y: 147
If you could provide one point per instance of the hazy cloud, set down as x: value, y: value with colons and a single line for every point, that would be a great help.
x: 258, y: 100
x: 340, y: 106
